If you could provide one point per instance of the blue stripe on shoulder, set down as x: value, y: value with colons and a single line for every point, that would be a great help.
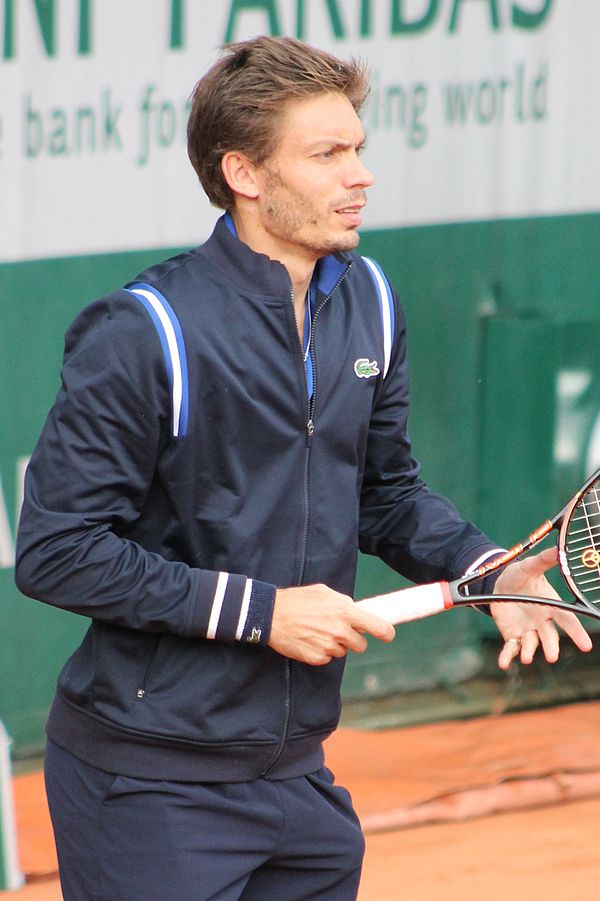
x: 170, y: 335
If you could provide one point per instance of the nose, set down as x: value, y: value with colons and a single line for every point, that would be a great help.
x: 358, y: 175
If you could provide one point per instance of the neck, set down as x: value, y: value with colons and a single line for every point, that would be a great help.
x: 298, y: 262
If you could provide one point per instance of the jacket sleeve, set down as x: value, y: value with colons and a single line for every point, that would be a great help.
x: 88, y: 479
x: 416, y: 531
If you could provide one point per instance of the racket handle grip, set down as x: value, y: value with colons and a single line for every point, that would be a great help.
x: 410, y: 603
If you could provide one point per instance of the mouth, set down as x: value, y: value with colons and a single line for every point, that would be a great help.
x: 351, y: 214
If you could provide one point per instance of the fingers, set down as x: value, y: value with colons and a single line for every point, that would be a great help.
x: 532, y: 625
x: 321, y: 649
x: 355, y: 642
x: 373, y: 624
x: 511, y: 649
x: 526, y: 646
x: 546, y: 635
x: 572, y: 627
x: 314, y: 624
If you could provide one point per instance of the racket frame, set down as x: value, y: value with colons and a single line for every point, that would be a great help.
x: 421, y: 601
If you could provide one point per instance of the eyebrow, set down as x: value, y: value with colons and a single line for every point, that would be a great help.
x: 336, y: 144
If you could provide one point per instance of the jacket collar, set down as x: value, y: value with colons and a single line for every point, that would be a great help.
x: 256, y: 273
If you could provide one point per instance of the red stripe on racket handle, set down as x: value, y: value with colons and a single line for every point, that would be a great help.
x: 411, y: 603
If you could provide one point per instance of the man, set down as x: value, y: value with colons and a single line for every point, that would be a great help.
x: 231, y: 429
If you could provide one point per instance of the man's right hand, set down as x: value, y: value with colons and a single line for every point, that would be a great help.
x: 314, y: 623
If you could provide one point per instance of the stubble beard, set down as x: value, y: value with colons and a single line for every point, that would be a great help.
x: 290, y: 216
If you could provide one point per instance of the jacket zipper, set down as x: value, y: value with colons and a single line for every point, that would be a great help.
x: 310, y: 429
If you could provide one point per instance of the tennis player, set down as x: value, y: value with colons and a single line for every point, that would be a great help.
x: 230, y: 431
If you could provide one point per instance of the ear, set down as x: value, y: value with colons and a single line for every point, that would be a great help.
x: 240, y: 174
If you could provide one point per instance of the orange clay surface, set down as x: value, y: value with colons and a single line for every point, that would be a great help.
x: 479, y: 810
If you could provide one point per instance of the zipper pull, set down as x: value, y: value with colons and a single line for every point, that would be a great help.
x: 310, y: 430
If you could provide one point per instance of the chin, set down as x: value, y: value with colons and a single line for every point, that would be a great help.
x: 337, y: 243
x: 346, y: 241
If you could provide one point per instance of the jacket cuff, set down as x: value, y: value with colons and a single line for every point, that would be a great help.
x: 232, y: 607
x: 486, y: 584
x: 257, y: 626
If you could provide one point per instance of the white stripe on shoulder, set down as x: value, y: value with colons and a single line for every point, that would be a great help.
x: 173, y: 352
x: 217, y: 605
x: 385, y: 306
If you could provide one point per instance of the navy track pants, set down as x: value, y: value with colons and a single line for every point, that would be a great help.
x: 125, y: 839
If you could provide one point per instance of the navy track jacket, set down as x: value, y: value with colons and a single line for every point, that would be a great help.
x: 186, y: 471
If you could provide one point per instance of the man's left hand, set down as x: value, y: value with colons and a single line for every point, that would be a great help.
x: 524, y: 627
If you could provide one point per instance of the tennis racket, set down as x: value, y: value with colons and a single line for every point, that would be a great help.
x: 578, y: 525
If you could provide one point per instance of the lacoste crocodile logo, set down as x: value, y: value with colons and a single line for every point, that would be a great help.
x: 365, y: 368
x: 255, y: 636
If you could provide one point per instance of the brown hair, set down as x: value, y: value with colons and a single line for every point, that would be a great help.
x: 238, y: 104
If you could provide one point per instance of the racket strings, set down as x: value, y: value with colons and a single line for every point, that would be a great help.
x: 582, y: 549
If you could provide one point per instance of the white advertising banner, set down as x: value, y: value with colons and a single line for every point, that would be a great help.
x: 479, y: 109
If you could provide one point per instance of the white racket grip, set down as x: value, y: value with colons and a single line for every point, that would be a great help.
x: 410, y: 603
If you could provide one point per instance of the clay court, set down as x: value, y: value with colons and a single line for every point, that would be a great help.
x: 488, y: 809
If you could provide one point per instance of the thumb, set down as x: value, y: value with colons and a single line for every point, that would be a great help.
x: 538, y: 564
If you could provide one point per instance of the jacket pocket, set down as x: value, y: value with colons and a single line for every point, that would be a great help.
x: 140, y: 692
x: 207, y: 692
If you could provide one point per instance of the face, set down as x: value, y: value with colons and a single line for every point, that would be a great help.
x: 312, y: 188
